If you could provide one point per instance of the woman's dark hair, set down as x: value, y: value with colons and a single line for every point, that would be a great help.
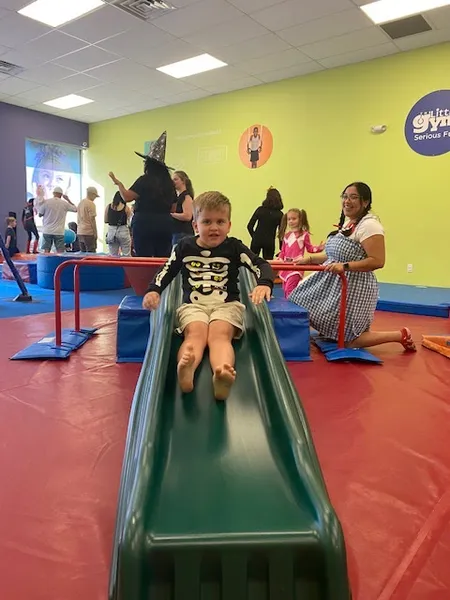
x: 117, y: 200
x: 187, y: 182
x: 273, y: 199
x: 161, y: 180
x: 365, y: 194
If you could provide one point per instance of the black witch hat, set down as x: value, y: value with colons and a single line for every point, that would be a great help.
x: 157, y: 150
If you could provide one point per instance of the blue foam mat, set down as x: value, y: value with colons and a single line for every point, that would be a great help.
x: 47, y: 349
x: 333, y: 353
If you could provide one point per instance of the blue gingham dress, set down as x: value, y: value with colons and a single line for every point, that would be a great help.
x: 320, y: 293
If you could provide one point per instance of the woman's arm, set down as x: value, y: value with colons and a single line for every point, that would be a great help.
x: 376, y: 254
x: 127, y: 195
x: 251, y: 224
x: 187, y: 213
x: 312, y: 259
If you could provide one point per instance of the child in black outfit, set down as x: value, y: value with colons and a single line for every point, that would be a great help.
x: 267, y: 219
x: 10, y: 236
x: 211, y: 314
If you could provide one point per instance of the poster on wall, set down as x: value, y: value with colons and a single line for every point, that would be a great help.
x: 427, y: 127
x: 52, y: 165
x: 255, y: 146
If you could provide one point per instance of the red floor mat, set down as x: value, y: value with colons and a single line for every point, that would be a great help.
x: 381, y: 433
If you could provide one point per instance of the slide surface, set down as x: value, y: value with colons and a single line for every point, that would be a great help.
x: 223, y: 500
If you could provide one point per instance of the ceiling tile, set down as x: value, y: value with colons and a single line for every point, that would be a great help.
x: 359, y: 55
x: 52, y: 45
x: 46, y: 74
x: 88, y: 58
x: 169, y: 53
x: 126, y: 72
x: 4, y: 13
x: 216, y: 76
x: 254, y: 48
x: 293, y: 12
x: 3, y: 76
x: 251, y: 6
x: 357, y: 40
x: 40, y: 94
x: 280, y: 60
x: 23, y: 102
x: 326, y: 27
x: 135, y: 46
x: 26, y: 60
x: 159, y: 85
x: 16, y: 30
x: 424, y: 39
x: 227, y: 34
x: 222, y: 87
x: 186, y: 96
x: 290, y: 72
x: 4, y: 49
x: 196, y: 17
x: 101, y: 24
x: 77, y: 83
x: 14, y: 85
x: 439, y: 18
x: 148, y: 104
x: 13, y: 4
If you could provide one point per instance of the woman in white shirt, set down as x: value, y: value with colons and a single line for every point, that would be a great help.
x: 357, y: 249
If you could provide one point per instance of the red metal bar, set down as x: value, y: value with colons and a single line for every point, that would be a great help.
x: 76, y: 291
x: 143, y: 261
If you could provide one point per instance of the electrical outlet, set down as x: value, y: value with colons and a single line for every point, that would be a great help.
x: 409, y: 268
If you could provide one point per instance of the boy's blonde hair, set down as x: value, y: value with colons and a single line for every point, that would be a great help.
x: 211, y: 201
x: 10, y: 220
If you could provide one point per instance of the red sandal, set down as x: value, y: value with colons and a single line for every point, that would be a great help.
x: 407, y: 341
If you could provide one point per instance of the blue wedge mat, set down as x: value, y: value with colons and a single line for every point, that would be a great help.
x: 47, y: 349
x: 333, y: 353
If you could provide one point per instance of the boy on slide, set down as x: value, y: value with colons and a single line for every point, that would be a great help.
x: 211, y: 314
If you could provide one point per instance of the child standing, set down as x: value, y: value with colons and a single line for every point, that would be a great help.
x: 29, y: 225
x: 294, y: 244
x: 267, y: 219
x: 211, y: 314
x: 10, y: 236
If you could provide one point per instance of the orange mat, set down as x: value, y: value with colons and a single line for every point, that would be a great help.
x: 437, y: 343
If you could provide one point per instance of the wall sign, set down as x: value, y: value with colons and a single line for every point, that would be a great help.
x: 427, y: 127
x: 255, y: 146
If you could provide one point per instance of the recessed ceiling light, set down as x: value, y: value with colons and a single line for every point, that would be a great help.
x: 192, y: 66
x: 58, y: 12
x: 384, y: 11
x: 69, y: 101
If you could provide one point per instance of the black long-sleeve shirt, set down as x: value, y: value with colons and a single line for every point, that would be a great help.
x: 267, y: 221
x: 211, y: 275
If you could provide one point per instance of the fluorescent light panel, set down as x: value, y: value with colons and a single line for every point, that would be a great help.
x: 192, y: 66
x: 384, y: 11
x: 58, y: 12
x: 69, y: 101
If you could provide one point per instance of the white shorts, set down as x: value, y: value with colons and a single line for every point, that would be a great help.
x: 230, y: 312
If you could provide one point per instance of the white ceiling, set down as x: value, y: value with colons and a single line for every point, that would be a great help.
x: 110, y: 56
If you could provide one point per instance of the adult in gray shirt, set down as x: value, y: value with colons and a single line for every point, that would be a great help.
x: 53, y: 212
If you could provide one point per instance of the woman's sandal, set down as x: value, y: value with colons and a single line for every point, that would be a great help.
x: 407, y: 341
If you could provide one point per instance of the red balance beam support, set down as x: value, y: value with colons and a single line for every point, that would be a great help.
x: 92, y: 261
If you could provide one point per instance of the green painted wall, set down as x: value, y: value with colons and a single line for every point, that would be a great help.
x: 322, y: 141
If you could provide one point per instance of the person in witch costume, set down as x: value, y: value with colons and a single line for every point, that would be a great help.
x: 154, y: 194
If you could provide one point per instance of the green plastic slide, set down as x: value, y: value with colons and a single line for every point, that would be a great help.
x: 223, y: 501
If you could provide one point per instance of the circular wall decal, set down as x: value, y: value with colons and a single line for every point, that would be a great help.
x: 255, y: 146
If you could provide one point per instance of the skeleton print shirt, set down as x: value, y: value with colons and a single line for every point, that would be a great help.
x: 211, y: 276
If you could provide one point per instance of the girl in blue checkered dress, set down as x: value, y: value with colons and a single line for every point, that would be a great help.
x: 356, y: 249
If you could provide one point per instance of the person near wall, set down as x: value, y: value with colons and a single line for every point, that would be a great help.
x: 87, y: 225
x: 118, y: 237
x: 10, y: 236
x: 154, y: 194
x: 29, y: 225
x: 357, y: 249
x: 267, y: 219
x: 53, y: 212
x: 183, y: 209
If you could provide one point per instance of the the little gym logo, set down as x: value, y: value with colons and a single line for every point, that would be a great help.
x: 427, y: 127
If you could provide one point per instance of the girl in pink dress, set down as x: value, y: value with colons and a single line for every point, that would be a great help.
x: 295, y: 241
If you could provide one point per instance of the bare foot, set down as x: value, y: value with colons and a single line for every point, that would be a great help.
x: 223, y: 379
x: 185, y: 370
